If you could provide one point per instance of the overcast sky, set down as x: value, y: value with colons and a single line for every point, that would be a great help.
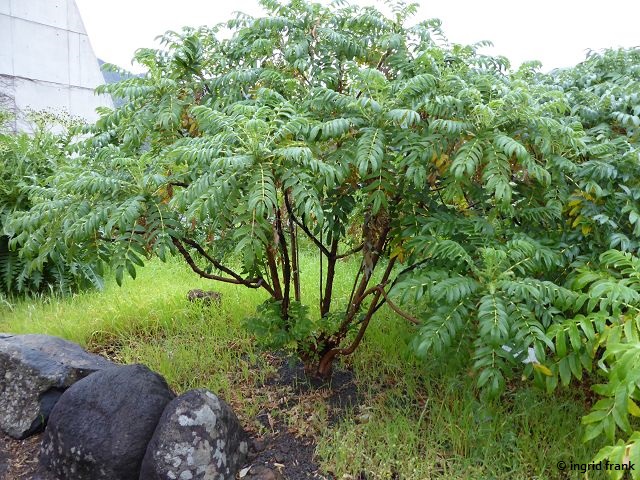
x: 556, y: 32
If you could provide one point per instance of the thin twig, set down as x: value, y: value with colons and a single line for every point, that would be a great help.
x: 350, y: 252
x: 212, y: 260
x: 395, y: 308
x: 250, y: 283
x: 306, y: 230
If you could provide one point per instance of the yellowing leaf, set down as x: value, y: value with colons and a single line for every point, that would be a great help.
x: 633, y: 408
x: 398, y: 251
x: 586, y: 229
x: 542, y: 369
x: 442, y: 160
x: 575, y: 210
x: 577, y: 221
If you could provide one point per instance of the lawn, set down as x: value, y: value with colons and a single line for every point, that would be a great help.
x: 416, y: 419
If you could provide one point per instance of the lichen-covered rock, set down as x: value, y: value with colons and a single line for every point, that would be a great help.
x: 198, y: 438
x: 100, y: 427
x: 34, y: 371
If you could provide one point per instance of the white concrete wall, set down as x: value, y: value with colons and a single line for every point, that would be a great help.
x: 46, y: 59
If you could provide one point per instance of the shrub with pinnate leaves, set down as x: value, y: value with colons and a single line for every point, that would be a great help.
x: 27, y: 163
x: 323, y: 122
x: 483, y: 206
x: 604, y: 212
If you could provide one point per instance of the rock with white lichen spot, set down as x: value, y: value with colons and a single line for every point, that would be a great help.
x: 198, y: 438
x: 101, y: 426
x: 34, y: 371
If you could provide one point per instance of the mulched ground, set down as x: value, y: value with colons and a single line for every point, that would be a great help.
x: 283, y: 442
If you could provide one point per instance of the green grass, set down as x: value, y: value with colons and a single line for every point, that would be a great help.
x: 419, y: 419
x: 150, y: 321
x: 426, y: 420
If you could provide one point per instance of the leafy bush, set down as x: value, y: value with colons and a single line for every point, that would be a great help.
x: 604, y: 94
x: 29, y: 265
x: 497, y: 211
x: 368, y: 137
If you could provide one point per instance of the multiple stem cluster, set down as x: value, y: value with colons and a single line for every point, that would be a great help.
x: 282, y: 278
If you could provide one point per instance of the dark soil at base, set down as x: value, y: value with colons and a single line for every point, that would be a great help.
x: 285, y: 451
x: 341, y: 391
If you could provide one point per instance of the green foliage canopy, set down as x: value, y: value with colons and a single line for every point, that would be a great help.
x: 497, y: 211
x: 26, y: 164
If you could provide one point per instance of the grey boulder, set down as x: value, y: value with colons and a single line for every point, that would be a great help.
x: 198, y: 438
x: 100, y: 427
x: 34, y: 371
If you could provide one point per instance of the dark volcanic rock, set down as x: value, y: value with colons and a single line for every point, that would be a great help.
x: 100, y: 427
x: 34, y: 371
x: 198, y: 438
